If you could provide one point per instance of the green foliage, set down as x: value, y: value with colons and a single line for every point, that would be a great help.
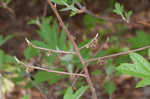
x: 122, y: 59
x: 7, y: 1
x: 140, y: 68
x: 30, y: 52
x: 111, y: 4
x: 149, y: 53
x: 5, y: 59
x: 60, y: 2
x: 140, y: 40
x: 35, y: 21
x: 109, y: 67
x: 26, y: 97
x: 66, y: 61
x: 112, y: 50
x: 50, y: 39
x: 50, y: 35
x: 97, y: 72
x: 90, y: 21
x: 42, y: 76
x: 119, y: 10
x: 4, y: 40
x: 109, y: 87
x: 69, y: 5
x: 128, y: 15
x: 70, y: 95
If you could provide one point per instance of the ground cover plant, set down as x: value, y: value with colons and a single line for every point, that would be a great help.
x: 58, y: 56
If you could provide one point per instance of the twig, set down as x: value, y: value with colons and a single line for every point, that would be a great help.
x: 110, y: 56
x: 49, y: 50
x: 88, y: 44
x: 85, y: 10
x: 48, y: 70
x: 117, y: 54
x: 94, y: 96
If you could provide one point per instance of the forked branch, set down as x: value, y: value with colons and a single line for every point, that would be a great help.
x: 77, y: 50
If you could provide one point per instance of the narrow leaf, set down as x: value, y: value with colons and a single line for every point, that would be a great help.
x: 143, y: 83
x: 80, y: 92
x: 68, y: 94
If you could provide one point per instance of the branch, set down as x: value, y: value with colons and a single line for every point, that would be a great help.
x: 49, y: 50
x: 117, y: 54
x: 77, y: 50
x: 85, y: 10
x: 136, y: 22
x: 48, y: 70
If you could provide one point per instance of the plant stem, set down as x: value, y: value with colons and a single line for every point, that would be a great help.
x: 117, y: 54
x: 94, y: 96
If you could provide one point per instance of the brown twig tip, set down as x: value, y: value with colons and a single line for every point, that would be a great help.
x: 28, y: 42
x: 17, y: 60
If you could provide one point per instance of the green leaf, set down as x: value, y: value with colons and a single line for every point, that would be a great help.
x: 109, y: 67
x: 143, y: 83
x: 122, y: 59
x: 34, y: 21
x: 5, y: 59
x: 70, y: 68
x: 68, y: 93
x: 40, y: 44
x: 97, y: 72
x: 70, y: 7
x: 4, y: 40
x: 47, y: 33
x: 1, y: 58
x: 149, y: 52
x: 132, y: 70
x: 140, y: 40
x: 60, y: 2
x: 7, y: 1
x: 139, y: 61
x: 118, y: 9
x: 50, y: 35
x: 62, y: 40
x: 43, y: 76
x: 80, y: 92
x: 26, y: 97
x: 30, y: 52
x: 140, y: 67
x: 109, y: 87
x: 90, y: 21
x: 68, y: 58
x: 128, y: 15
